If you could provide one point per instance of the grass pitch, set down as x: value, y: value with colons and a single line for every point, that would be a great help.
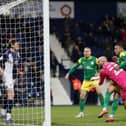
x: 65, y: 116
x: 26, y: 116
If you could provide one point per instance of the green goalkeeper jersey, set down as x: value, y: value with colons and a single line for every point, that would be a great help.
x: 89, y: 67
x: 122, y: 60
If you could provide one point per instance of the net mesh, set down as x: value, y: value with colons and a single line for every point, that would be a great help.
x: 21, y: 20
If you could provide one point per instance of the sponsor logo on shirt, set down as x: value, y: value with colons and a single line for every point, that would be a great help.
x: 92, y: 63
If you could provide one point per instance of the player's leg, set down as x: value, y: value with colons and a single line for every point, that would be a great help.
x: 10, y: 94
x: 124, y: 103
x: 110, y: 89
x: 4, y: 97
x: 82, y: 103
x: 114, y: 105
x: 100, y: 96
x: 83, y: 94
x: 4, y: 106
x: 4, y: 102
x: 99, y: 93
x: 123, y: 95
x: 10, y: 98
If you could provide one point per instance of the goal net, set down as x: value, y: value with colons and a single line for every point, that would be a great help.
x: 22, y: 20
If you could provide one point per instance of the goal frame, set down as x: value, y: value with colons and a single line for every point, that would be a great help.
x: 46, y: 33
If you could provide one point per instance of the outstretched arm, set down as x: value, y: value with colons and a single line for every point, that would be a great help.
x: 73, y: 68
x: 102, y: 77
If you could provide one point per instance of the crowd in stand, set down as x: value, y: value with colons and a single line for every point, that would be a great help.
x: 99, y: 36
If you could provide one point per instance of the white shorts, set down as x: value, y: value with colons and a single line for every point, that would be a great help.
x: 8, y: 81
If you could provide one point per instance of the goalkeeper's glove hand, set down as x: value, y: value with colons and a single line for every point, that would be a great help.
x: 95, y: 78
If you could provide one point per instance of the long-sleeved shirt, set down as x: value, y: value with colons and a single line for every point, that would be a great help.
x: 118, y: 76
x: 89, y: 67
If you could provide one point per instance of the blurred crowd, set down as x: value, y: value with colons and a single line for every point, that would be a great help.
x: 99, y: 36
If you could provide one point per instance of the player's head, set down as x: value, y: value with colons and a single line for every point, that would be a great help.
x: 14, y: 45
x: 118, y: 48
x: 102, y: 60
x: 87, y: 52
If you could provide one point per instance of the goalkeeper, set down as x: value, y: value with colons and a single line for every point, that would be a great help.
x: 121, y: 61
x: 89, y: 65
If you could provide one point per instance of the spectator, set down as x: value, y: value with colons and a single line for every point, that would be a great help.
x: 54, y: 64
x: 90, y: 41
x: 80, y: 43
x: 76, y: 53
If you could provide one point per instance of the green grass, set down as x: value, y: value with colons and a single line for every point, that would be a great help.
x: 25, y: 117
x: 65, y: 116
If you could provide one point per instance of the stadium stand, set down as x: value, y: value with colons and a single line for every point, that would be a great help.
x: 100, y: 36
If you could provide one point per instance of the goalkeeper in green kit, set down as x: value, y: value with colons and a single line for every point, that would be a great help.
x: 89, y: 66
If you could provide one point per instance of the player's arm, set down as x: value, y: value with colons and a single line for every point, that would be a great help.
x: 98, y: 68
x: 9, y: 58
x: 123, y: 63
x: 73, y: 68
x: 96, y: 76
x: 1, y: 58
x: 1, y: 71
x: 102, y: 77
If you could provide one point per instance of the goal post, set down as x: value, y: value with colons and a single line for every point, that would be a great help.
x: 47, y: 62
x: 27, y: 21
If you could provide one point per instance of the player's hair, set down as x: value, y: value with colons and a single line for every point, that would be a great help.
x: 120, y: 45
x: 12, y: 42
x: 104, y: 58
x: 87, y: 48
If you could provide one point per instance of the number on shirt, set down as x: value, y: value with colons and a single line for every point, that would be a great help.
x: 116, y: 72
